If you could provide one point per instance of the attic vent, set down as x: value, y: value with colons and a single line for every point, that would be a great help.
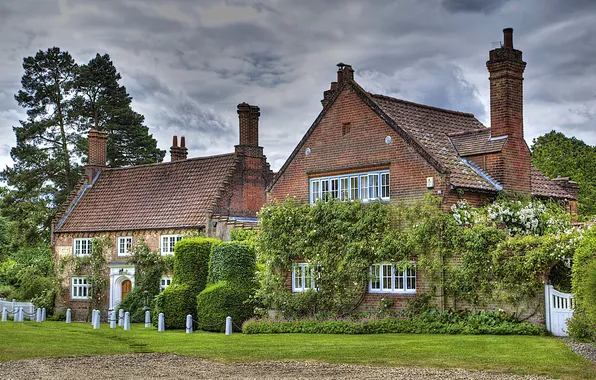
x: 345, y: 129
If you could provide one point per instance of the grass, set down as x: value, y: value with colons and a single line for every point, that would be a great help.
x: 514, y: 354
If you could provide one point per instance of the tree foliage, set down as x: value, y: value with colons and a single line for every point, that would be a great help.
x: 558, y: 155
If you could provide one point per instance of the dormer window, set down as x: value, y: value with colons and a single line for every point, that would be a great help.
x: 366, y: 186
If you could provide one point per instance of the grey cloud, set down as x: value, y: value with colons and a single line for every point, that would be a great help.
x: 484, y: 6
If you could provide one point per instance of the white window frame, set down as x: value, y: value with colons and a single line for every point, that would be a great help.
x: 352, y: 186
x: 378, y: 272
x: 165, y: 249
x: 164, y: 282
x: 79, y: 288
x: 127, y: 247
x: 80, y: 243
x: 299, y: 283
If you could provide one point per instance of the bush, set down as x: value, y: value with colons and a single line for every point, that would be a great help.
x: 430, y: 322
x: 191, y: 262
x: 134, y: 303
x: 221, y: 300
x: 580, y: 328
x: 7, y: 291
x: 176, y: 302
x: 583, y: 281
x: 233, y: 261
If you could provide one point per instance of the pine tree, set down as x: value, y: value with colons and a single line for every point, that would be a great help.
x: 103, y: 104
x: 45, y: 167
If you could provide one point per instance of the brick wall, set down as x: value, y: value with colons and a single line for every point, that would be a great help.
x: 367, y: 149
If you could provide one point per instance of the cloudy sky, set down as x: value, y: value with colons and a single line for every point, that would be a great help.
x: 188, y: 63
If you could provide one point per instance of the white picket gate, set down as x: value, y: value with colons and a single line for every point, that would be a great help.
x: 559, y: 308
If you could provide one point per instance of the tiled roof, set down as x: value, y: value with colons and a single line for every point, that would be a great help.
x: 431, y: 126
x: 470, y: 143
x: 544, y: 187
x: 158, y: 196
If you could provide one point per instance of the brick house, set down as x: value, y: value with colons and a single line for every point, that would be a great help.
x: 377, y: 148
x: 159, y: 203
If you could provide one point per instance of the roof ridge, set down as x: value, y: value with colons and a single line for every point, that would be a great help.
x: 168, y: 162
x: 422, y: 105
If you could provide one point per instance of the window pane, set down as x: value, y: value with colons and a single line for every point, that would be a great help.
x: 343, y: 184
x: 324, y: 189
x: 385, y: 185
x: 164, y: 244
x: 373, y: 186
x: 307, y: 277
x: 334, y: 188
x: 353, y: 187
x: 411, y: 279
x: 298, y: 276
x: 399, y: 279
x: 364, y: 187
x: 315, y: 188
x: 375, y: 283
x: 386, y: 274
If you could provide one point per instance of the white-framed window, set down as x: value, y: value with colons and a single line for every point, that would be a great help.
x: 164, y: 282
x: 368, y: 186
x: 124, y: 245
x: 82, y: 247
x: 303, y: 277
x: 79, y: 288
x: 387, y: 278
x: 168, y: 242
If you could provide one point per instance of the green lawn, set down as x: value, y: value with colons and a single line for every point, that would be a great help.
x: 517, y: 354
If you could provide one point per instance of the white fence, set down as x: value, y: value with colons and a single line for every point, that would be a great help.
x: 13, y: 306
x: 559, y: 308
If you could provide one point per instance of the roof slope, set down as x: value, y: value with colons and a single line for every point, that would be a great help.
x: 176, y: 194
x: 476, y: 142
x: 544, y: 187
x: 431, y: 126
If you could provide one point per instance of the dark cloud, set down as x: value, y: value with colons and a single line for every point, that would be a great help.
x: 483, y: 6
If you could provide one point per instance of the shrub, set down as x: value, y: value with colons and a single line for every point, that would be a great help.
x: 583, y: 280
x: 191, y: 262
x: 221, y: 300
x: 580, y: 328
x: 233, y: 261
x: 7, y: 291
x: 176, y: 302
x: 134, y: 303
x: 430, y: 322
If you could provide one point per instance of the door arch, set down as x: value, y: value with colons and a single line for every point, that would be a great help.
x: 126, y: 288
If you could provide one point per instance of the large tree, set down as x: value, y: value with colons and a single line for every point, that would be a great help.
x: 103, y: 104
x: 558, y: 155
x: 45, y: 168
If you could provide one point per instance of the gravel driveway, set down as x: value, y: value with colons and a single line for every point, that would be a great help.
x: 166, y: 366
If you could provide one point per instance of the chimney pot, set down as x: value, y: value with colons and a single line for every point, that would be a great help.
x: 175, y: 141
x: 508, y: 38
x: 182, y: 142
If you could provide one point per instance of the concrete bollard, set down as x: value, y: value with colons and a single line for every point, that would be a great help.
x: 97, y: 320
x: 127, y: 321
x: 189, y: 324
x: 147, y: 319
x: 93, y: 317
x: 68, y: 316
x: 38, y: 315
x: 120, y: 317
x: 228, y: 325
x: 4, y: 314
x: 43, y: 314
x: 161, y: 323
x: 112, y: 317
x: 21, y: 315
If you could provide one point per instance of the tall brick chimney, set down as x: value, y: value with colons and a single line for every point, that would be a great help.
x: 344, y: 72
x: 97, y: 153
x: 178, y: 153
x: 506, y: 68
x: 248, y: 117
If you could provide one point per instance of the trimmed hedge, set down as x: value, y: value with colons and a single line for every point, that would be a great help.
x: 221, y: 300
x: 582, y: 326
x: 176, y: 302
x: 426, y: 323
x: 191, y: 262
x: 232, y: 262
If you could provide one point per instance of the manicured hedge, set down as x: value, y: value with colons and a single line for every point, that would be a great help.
x: 221, y: 300
x: 439, y: 323
x: 232, y: 262
x: 583, y: 323
x: 191, y: 262
x: 176, y: 302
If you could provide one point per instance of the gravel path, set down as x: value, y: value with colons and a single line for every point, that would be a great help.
x: 166, y: 366
x: 587, y: 350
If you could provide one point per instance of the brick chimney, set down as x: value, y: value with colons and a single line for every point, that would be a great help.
x: 248, y: 117
x: 506, y: 68
x: 344, y: 72
x: 97, y: 153
x: 178, y: 153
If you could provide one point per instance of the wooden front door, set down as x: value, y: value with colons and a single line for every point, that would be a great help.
x: 126, y: 288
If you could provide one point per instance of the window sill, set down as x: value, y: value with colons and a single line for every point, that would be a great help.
x: 392, y: 291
